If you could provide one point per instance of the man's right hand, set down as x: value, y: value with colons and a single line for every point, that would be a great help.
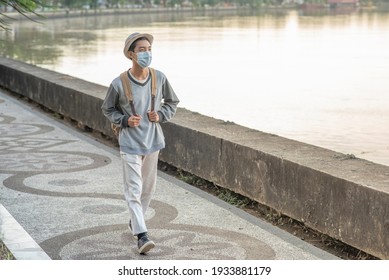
x: 134, y: 121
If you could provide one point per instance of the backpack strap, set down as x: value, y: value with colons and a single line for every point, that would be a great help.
x: 153, y: 87
x: 127, y: 89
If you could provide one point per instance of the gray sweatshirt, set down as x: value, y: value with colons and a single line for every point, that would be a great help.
x: 148, y: 136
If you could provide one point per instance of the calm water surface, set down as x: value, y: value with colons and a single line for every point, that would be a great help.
x: 321, y: 79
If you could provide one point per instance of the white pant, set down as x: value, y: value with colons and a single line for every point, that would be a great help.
x: 140, y: 179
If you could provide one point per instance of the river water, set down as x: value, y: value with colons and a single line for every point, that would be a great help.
x: 320, y: 78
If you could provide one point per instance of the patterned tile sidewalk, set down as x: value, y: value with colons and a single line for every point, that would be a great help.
x: 61, y: 198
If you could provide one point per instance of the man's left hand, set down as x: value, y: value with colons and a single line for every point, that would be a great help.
x: 153, y: 116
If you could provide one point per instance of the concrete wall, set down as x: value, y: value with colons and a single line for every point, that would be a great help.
x: 343, y: 197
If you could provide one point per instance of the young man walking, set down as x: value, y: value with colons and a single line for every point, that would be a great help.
x: 140, y: 137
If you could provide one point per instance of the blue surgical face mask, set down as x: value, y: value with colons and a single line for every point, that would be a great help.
x: 144, y: 59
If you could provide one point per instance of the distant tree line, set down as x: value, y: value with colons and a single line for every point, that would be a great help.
x: 26, y: 7
x: 32, y: 5
x: 194, y: 3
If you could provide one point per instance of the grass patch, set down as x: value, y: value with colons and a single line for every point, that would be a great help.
x: 5, y: 254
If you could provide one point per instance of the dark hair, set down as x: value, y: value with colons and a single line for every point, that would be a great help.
x: 133, y: 45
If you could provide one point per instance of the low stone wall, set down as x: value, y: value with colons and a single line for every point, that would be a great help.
x: 341, y: 196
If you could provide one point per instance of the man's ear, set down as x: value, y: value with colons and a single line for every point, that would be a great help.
x: 132, y: 55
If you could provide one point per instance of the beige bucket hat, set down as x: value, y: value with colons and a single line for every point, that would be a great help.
x: 131, y: 39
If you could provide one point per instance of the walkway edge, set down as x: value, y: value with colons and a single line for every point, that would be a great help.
x: 17, y: 240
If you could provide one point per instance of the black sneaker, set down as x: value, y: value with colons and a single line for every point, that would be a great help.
x: 145, y: 244
x: 130, y: 228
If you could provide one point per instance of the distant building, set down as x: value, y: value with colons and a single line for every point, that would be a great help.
x: 336, y: 3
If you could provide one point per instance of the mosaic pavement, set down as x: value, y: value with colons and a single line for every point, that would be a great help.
x: 62, y: 189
